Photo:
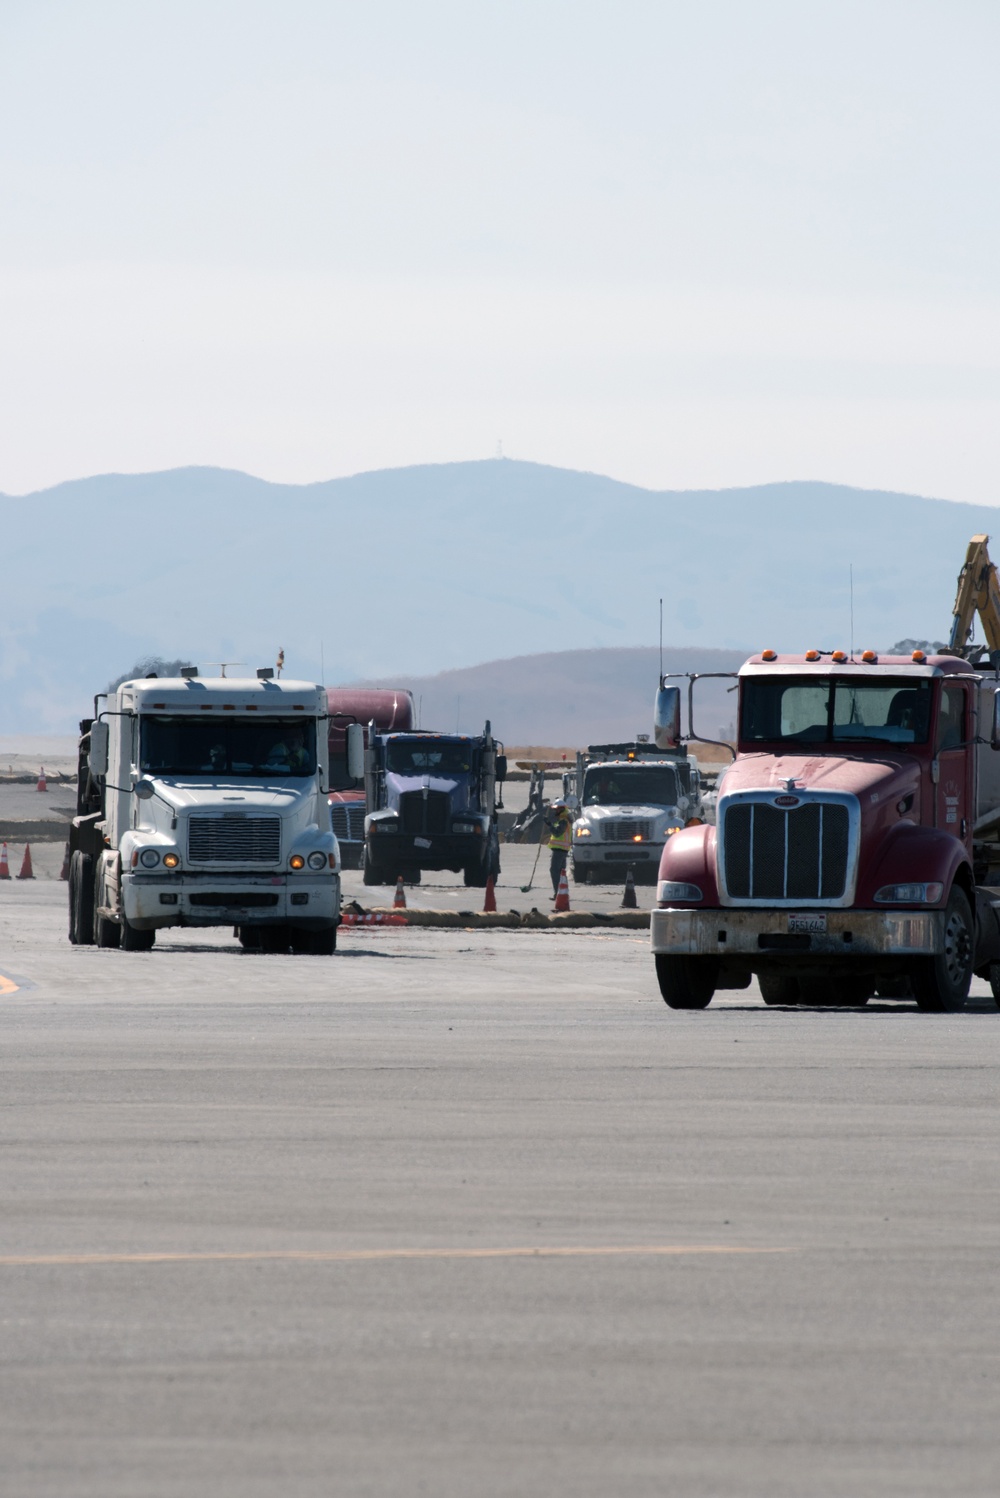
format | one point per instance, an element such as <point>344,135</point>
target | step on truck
<point>390,709</point>
<point>203,802</point>
<point>632,797</point>
<point>432,804</point>
<point>855,849</point>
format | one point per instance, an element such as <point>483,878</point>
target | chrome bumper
<point>764,933</point>
<point>229,899</point>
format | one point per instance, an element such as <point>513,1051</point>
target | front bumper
<point>764,934</point>
<point>443,850</point>
<point>590,855</point>
<point>228,899</point>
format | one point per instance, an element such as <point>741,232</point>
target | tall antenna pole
<point>852,611</point>
<point>661,642</point>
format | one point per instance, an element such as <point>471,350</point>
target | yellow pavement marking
<point>354,1255</point>
<point>7,985</point>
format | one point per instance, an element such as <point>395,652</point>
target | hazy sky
<point>682,242</point>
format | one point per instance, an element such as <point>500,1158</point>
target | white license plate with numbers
<point>809,924</point>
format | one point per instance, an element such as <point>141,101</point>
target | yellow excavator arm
<point>978,593</point>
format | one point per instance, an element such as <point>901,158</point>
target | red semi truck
<point>855,848</point>
<point>391,710</point>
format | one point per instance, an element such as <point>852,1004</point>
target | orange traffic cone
<point>399,899</point>
<point>41,786</point>
<point>64,872</point>
<point>562,895</point>
<point>490,903</point>
<point>26,870</point>
<point>4,865</point>
<point>629,901</point>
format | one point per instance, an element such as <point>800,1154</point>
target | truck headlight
<point>909,894</point>
<point>149,858</point>
<point>385,826</point>
<point>581,831</point>
<point>465,826</point>
<point>668,890</point>
<point>171,860</point>
<point>316,860</point>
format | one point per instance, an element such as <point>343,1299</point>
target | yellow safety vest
<point>562,833</point>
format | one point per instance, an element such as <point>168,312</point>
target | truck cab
<point>855,840</point>
<point>432,804</point>
<point>202,802</point>
<point>631,800</point>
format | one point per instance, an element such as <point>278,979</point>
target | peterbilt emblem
<point>786,800</point>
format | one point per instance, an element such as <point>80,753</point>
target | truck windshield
<point>830,710</point>
<point>625,785</point>
<point>417,757</point>
<point>275,747</point>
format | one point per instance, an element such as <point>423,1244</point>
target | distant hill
<point>421,570</point>
<point>571,697</point>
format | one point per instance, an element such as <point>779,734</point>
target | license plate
<point>808,925</point>
<point>421,842</point>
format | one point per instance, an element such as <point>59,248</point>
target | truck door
<point>954,763</point>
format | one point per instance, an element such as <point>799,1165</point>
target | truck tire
<point>776,988</point>
<point>686,982</point>
<point>941,984</point>
<point>249,938</point>
<point>475,875</point>
<point>81,900</point>
<point>106,933</point>
<point>995,982</point>
<point>275,938</point>
<point>839,991</point>
<point>132,940</point>
<point>370,871</point>
<point>315,943</point>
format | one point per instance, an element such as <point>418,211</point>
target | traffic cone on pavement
<point>41,786</point>
<point>26,870</point>
<point>490,903</point>
<point>562,894</point>
<point>399,899</point>
<point>628,897</point>
<point>4,865</point>
<point>64,871</point>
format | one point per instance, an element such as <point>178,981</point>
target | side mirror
<point>667,718</point>
<point>355,751</point>
<point>501,767</point>
<point>995,734</point>
<point>144,790</point>
<point>100,735</point>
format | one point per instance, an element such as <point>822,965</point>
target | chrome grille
<point>234,839</point>
<point>772,854</point>
<point>421,812</point>
<point>349,823</point>
<point>624,831</point>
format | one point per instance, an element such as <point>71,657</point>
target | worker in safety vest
<point>559,821</point>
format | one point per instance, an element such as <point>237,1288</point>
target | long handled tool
<point>525,887</point>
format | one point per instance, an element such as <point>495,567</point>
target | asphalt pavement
<point>473,1213</point>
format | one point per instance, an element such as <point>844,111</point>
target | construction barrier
<point>510,920</point>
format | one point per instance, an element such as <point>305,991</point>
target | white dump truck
<point>202,801</point>
<point>632,797</point>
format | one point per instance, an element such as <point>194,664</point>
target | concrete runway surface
<point>476,1214</point>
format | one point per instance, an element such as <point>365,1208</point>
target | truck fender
<point>912,854</point>
<point>689,857</point>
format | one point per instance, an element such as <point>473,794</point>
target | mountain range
<point>415,571</point>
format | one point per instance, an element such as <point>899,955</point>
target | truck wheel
<point>106,933</point>
<point>941,984</point>
<point>81,900</point>
<point>132,940</point>
<point>475,875</point>
<point>249,938</point>
<point>275,938</point>
<point>686,982</point>
<point>370,872</point>
<point>775,988</point>
<point>315,943</point>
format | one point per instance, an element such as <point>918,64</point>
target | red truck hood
<point>868,779</point>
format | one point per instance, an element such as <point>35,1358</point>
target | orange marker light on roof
<point>869,655</point>
<point>769,655</point>
<point>918,655</point>
<point>838,655</point>
<point>812,655</point>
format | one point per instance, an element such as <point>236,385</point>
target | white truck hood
<point>189,795</point>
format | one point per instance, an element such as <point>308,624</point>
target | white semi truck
<point>632,797</point>
<point>202,801</point>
